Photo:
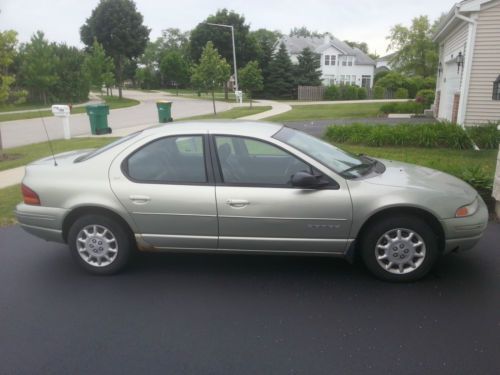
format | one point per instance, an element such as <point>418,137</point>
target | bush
<point>401,93</point>
<point>349,92</point>
<point>485,136</point>
<point>429,83</point>
<point>426,97</point>
<point>378,92</point>
<point>332,93</point>
<point>422,135</point>
<point>478,178</point>
<point>402,107</point>
<point>362,93</point>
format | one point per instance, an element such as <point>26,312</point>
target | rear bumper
<point>43,222</point>
<point>463,233</point>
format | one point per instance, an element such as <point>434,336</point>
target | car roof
<point>236,127</point>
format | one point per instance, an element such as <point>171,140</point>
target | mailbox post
<point>62,111</point>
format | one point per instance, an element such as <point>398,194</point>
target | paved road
<point>221,314</point>
<point>23,132</point>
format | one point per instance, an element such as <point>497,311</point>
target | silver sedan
<point>247,187</point>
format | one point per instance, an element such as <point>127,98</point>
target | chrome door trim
<point>280,218</point>
<point>171,214</point>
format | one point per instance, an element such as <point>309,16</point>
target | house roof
<point>295,45</point>
<point>386,57</point>
<point>463,8</point>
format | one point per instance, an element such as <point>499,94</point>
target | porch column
<point>496,186</point>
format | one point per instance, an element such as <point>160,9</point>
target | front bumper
<point>463,233</point>
<point>43,222</point>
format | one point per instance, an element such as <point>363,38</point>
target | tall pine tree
<point>280,83</point>
<point>307,72</point>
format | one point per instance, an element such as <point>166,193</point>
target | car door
<point>168,189</point>
<point>259,210</point>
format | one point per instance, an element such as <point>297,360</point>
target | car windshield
<point>342,162</point>
<point>109,146</point>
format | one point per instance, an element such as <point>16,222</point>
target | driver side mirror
<point>307,180</point>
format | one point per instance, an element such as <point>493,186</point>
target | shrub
<point>429,83</point>
<point>485,136</point>
<point>422,135</point>
<point>477,177</point>
<point>426,97</point>
<point>380,75</point>
<point>332,93</point>
<point>401,93</point>
<point>362,93</point>
<point>402,107</point>
<point>349,92</point>
<point>378,92</point>
<point>392,81</point>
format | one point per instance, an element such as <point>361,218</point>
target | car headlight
<point>468,210</point>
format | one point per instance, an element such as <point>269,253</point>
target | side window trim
<point>214,156</point>
<point>207,162</point>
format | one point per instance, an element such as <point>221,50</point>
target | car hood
<point>410,176</point>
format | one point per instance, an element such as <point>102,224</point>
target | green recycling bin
<point>98,116</point>
<point>164,111</point>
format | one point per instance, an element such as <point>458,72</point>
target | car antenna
<point>48,139</point>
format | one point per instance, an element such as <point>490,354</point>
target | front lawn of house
<point>233,113</point>
<point>329,111</point>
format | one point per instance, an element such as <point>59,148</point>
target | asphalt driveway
<point>222,314</point>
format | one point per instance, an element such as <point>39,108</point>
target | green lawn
<point>193,94</point>
<point>112,101</point>
<point>9,197</point>
<point>27,154</point>
<point>232,113</point>
<point>329,111</point>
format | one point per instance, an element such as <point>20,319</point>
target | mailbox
<point>60,110</point>
<point>63,111</point>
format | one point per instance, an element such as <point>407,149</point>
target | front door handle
<point>139,199</point>
<point>237,203</point>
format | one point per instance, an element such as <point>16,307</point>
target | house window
<point>350,60</point>
<point>496,89</point>
<point>333,59</point>
<point>353,80</point>
<point>342,78</point>
<point>327,60</point>
<point>344,60</point>
<point>366,81</point>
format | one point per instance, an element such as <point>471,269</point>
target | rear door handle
<point>139,199</point>
<point>237,203</point>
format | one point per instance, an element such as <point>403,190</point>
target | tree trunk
<point>250,98</point>
<point>226,91</point>
<point>120,91</point>
<point>1,145</point>
<point>213,102</point>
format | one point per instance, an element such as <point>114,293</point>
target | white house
<point>468,82</point>
<point>339,62</point>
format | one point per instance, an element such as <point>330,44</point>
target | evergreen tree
<point>307,72</point>
<point>280,82</point>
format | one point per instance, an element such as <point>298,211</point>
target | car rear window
<point>109,146</point>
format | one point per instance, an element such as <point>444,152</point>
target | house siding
<point>450,47</point>
<point>485,68</point>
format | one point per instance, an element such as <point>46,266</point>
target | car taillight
<point>29,196</point>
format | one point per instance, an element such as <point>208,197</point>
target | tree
<point>8,42</point>
<point>416,54</point>
<point>118,26</point>
<point>304,32</point>
<point>245,44</point>
<point>72,83</point>
<point>281,81</point>
<point>175,69</point>
<point>307,72</point>
<point>266,40</point>
<point>251,79</point>
<point>362,46</point>
<point>98,66</point>
<point>38,67</point>
<point>212,71</point>
<point>175,39</point>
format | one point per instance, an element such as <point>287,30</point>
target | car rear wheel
<point>99,244</point>
<point>402,248</point>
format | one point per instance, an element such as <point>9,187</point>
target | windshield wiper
<point>369,165</point>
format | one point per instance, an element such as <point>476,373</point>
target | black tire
<point>370,252</point>
<point>123,244</point>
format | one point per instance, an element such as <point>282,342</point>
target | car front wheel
<point>99,244</point>
<point>400,248</point>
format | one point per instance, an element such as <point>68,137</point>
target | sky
<point>358,20</point>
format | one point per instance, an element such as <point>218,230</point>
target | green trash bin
<point>164,111</point>
<point>98,116</point>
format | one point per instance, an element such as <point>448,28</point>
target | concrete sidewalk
<point>277,108</point>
